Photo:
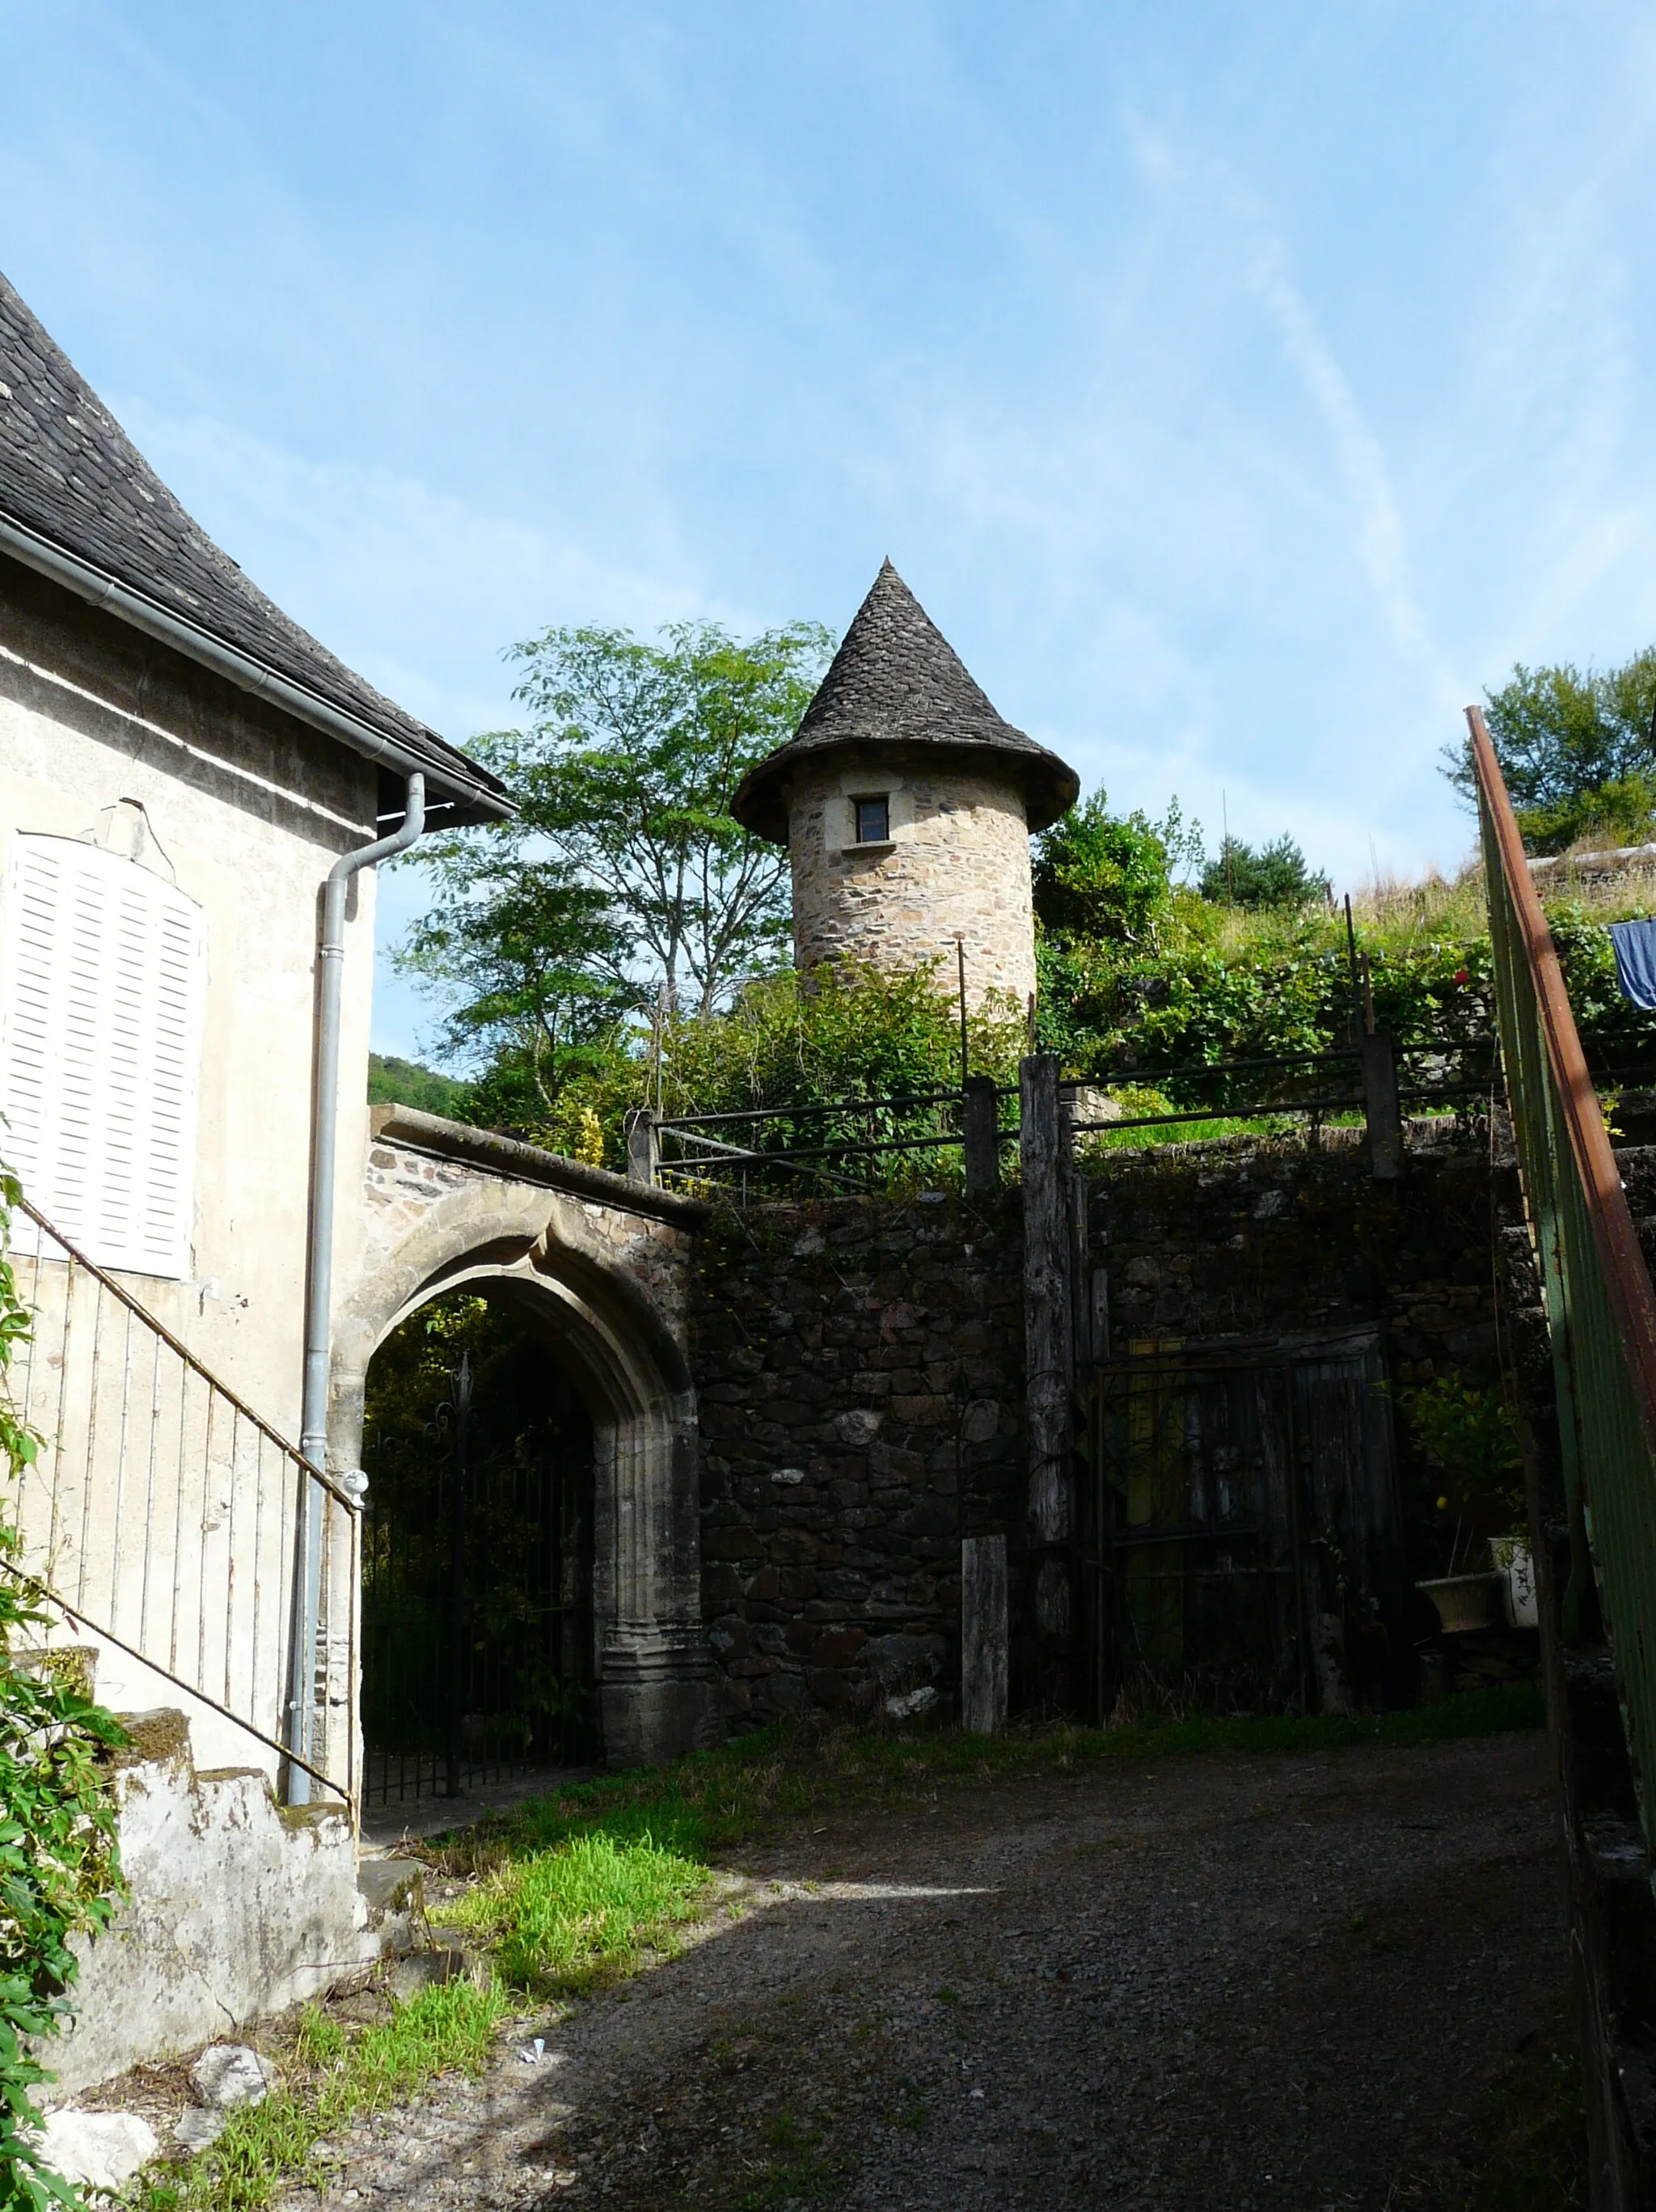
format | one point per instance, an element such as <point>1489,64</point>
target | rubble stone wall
<point>958,861</point>
<point>859,1369</point>
<point>1288,1238</point>
<point>860,1374</point>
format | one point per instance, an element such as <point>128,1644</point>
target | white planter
<point>1510,1557</point>
<point>1465,1602</point>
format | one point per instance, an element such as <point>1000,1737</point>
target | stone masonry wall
<point>860,1375</point>
<point>1280,1238</point>
<point>860,1367</point>
<point>1265,1238</point>
<point>958,861</point>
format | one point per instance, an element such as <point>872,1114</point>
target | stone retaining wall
<point>1218,1240</point>
<point>859,1369</point>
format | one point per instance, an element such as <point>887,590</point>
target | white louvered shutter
<point>102,979</point>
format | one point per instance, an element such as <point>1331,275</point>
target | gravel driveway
<point>1224,1982</point>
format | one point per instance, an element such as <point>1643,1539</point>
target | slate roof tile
<point>896,680</point>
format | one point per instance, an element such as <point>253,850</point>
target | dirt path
<point>1217,1983</point>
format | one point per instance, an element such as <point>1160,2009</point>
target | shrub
<point>59,1865</point>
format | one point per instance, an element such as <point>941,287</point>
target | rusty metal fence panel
<point>1601,1308</point>
<point>166,1519</point>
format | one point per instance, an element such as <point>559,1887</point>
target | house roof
<point>79,503</point>
<point>897,681</point>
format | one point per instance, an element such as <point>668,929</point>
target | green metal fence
<point>1601,1310</point>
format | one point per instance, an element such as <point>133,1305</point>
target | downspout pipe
<point>319,1290</point>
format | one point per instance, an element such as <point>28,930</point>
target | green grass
<point>714,1800</point>
<point>567,1918</point>
<point>1211,1129</point>
<point>336,2076</point>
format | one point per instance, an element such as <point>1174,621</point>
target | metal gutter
<point>99,589</point>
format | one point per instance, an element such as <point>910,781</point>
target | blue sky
<point>1242,388</point>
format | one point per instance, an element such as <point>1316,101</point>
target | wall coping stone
<point>517,1162</point>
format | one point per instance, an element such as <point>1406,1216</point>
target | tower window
<point>873,819</point>
<point>101,981</point>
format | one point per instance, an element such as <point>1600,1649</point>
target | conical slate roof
<point>896,680</point>
<point>77,497</point>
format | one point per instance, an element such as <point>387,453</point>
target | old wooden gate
<point>1239,1512</point>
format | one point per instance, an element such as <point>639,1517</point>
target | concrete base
<point>238,1908</point>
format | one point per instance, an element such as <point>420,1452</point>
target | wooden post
<point>1049,1365</point>
<point>1099,1328</point>
<point>1385,1116</point>
<point>983,1634</point>
<point>980,1116</point>
<point>643,1146</point>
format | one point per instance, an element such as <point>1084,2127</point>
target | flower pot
<point>1465,1602</point>
<point>1510,1557</point>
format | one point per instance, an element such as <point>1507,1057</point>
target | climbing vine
<point>59,1865</point>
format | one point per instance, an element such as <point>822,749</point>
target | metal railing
<point>1600,1305</point>
<point>830,1147</point>
<point>848,1146</point>
<point>164,1517</point>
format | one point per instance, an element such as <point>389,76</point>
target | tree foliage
<point>1574,746</point>
<point>394,1082</point>
<point>538,959</point>
<point>59,1865</point>
<point>1109,878</point>
<point>1275,874</point>
<point>625,875</point>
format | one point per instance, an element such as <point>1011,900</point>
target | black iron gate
<point>476,1563</point>
<point>1241,1541</point>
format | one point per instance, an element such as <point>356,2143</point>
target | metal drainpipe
<point>313,1416</point>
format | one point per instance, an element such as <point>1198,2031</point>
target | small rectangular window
<point>873,819</point>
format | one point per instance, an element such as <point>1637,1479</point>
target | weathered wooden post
<point>1049,1364</point>
<point>980,1119</point>
<point>643,1145</point>
<point>1380,1105</point>
<point>983,1634</point>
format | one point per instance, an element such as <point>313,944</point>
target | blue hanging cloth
<point>1635,961</point>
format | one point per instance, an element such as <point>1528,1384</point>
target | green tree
<point>1275,874</point>
<point>623,779</point>
<point>395,1082</point>
<point>1107,878</point>
<point>1574,746</point>
<point>533,963</point>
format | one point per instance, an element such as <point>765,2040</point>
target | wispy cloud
<point>410,585</point>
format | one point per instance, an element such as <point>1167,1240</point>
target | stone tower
<point>906,804</point>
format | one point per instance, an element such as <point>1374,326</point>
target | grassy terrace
<point>568,1893</point>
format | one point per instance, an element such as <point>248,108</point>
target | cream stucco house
<point>181,769</point>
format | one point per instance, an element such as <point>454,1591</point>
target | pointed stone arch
<point>604,1277</point>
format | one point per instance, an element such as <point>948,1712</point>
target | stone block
<point>838,1647</point>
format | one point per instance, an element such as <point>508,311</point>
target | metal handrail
<point>124,1298</point>
<point>1600,1303</point>
<point>163,1512</point>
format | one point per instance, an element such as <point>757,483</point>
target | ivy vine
<point>59,1859</point>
